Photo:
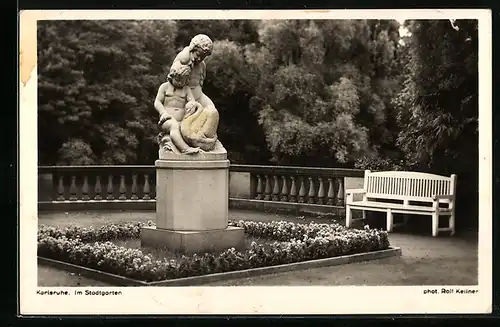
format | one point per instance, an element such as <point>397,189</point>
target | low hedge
<point>293,242</point>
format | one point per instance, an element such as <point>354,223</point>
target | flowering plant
<point>105,233</point>
<point>289,242</point>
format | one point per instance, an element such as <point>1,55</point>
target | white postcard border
<point>247,300</point>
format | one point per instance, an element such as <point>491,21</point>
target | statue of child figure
<point>173,101</point>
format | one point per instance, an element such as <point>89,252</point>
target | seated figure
<point>200,127</point>
<point>171,102</point>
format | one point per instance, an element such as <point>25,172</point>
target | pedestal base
<point>192,195</point>
<point>193,241</point>
<point>218,153</point>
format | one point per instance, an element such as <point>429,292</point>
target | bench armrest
<point>355,191</point>
<point>443,197</point>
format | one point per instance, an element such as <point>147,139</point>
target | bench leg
<point>390,221</point>
<point>405,219</point>
<point>348,216</point>
<point>402,223</point>
<point>364,215</point>
<point>451,223</point>
<point>435,224</point>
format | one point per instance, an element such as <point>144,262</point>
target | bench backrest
<point>404,185</point>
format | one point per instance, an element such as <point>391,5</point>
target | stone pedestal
<point>216,240</point>
<point>192,195</point>
<point>192,202</point>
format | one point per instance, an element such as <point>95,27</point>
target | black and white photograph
<point>240,162</point>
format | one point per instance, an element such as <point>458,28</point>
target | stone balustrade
<point>131,187</point>
<point>96,184</point>
<point>320,186</point>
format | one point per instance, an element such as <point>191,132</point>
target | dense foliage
<point>98,80</point>
<point>93,248</point>
<point>438,104</point>
<point>324,88</point>
<point>333,93</point>
<point>292,91</point>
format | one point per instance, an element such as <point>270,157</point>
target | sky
<point>402,31</point>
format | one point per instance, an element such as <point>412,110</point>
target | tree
<point>324,88</point>
<point>230,87</point>
<point>308,92</point>
<point>59,81</point>
<point>238,31</point>
<point>438,104</point>
<point>96,80</point>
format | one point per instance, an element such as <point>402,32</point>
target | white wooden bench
<point>413,193</point>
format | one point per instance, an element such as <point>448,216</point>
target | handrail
<point>297,170</point>
<point>285,184</point>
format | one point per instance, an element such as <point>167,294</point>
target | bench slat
<point>406,187</point>
<point>409,174</point>
<point>402,197</point>
<point>371,204</point>
<point>410,187</point>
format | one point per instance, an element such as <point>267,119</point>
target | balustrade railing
<point>320,186</point>
<point>100,183</point>
<point>302,186</point>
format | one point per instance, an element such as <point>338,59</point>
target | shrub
<point>291,242</point>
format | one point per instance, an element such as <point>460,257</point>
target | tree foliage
<point>98,79</point>
<point>439,100</point>
<point>438,104</point>
<point>352,93</point>
<point>95,84</point>
<point>309,92</point>
<point>230,87</point>
<point>323,88</point>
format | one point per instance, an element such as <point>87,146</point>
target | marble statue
<point>172,105</point>
<point>188,117</point>
<point>192,169</point>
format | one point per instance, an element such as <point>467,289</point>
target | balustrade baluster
<point>302,190</point>
<point>331,193</point>
<point>284,190</point>
<point>134,187</point>
<point>276,188</point>
<point>340,193</point>
<point>293,190</point>
<point>85,188</point>
<point>60,189</point>
<point>110,188</point>
<point>312,191</point>
<point>267,196</point>
<point>146,187</point>
<point>321,191</point>
<point>97,188</point>
<point>258,196</point>
<point>72,189</point>
<point>266,185</point>
<point>122,189</point>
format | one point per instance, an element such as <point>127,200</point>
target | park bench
<point>401,192</point>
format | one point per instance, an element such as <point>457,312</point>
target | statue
<point>188,117</point>
<point>194,208</point>
<point>172,103</point>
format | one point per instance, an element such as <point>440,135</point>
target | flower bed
<point>92,248</point>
